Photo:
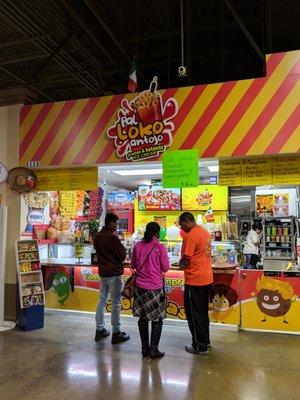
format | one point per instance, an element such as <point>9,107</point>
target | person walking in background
<point>197,265</point>
<point>251,248</point>
<point>150,259</point>
<point>110,254</point>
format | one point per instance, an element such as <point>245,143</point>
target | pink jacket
<point>150,275</point>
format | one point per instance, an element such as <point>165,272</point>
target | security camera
<point>182,71</point>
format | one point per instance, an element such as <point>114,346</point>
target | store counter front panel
<point>270,301</point>
<point>224,306</point>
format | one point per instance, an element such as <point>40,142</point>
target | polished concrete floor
<point>62,361</point>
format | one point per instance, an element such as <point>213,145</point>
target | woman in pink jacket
<point>150,259</point>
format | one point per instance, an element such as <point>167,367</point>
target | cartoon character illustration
<point>61,286</point>
<point>274,297</point>
<point>223,299</point>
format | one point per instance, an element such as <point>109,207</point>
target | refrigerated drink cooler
<point>279,243</point>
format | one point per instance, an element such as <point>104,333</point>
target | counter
<point>71,286</point>
<point>248,299</point>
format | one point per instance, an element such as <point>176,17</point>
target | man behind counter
<point>110,255</point>
<point>198,276</point>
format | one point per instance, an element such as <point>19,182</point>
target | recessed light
<point>213,168</point>
<point>136,172</point>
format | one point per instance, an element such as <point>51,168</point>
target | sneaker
<point>101,334</point>
<point>191,350</point>
<point>119,337</point>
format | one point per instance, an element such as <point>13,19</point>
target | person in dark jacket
<point>110,255</point>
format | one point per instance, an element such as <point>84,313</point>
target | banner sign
<point>66,179</point>
<point>144,126</point>
<point>259,171</point>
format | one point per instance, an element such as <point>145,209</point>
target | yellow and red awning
<point>248,117</point>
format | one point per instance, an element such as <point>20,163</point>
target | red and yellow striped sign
<point>249,117</point>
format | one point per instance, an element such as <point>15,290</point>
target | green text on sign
<point>180,168</point>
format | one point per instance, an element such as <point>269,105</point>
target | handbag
<point>128,290</point>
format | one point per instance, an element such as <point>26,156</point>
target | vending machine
<point>122,204</point>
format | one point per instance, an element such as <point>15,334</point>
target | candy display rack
<point>30,279</point>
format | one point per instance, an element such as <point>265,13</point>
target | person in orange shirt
<point>197,265</point>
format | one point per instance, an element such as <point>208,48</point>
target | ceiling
<point>130,176</point>
<point>52,50</point>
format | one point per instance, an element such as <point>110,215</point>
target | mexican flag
<point>132,83</point>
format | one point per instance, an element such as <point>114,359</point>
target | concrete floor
<point>62,361</point>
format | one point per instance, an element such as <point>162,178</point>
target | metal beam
<point>11,43</point>
<point>22,57</point>
<point>174,60</point>
<point>87,23</point>
<point>22,81</point>
<point>245,30</point>
<point>29,26</point>
<point>94,7</point>
<point>46,62</point>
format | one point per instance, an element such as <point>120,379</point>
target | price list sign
<point>256,172</point>
<point>66,179</point>
<point>286,171</point>
<point>230,173</point>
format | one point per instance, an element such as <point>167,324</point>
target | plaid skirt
<point>149,304</point>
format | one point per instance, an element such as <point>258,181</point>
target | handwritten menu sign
<point>66,179</point>
<point>256,172</point>
<point>286,171</point>
<point>230,173</point>
<point>180,168</point>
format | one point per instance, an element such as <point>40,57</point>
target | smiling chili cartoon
<point>274,297</point>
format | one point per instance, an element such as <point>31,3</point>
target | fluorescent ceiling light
<point>132,172</point>
<point>213,168</point>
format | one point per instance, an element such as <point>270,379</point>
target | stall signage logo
<point>144,126</point>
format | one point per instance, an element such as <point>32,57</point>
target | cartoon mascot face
<point>274,297</point>
<point>61,285</point>
<point>223,298</point>
<point>271,303</point>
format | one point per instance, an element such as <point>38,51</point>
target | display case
<point>30,280</point>
<point>279,243</point>
<point>67,250</point>
<point>225,254</point>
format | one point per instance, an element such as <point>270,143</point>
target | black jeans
<point>196,299</point>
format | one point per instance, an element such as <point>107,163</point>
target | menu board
<point>65,179</point>
<point>230,173</point>
<point>256,172</point>
<point>157,198</point>
<point>205,196</point>
<point>260,171</point>
<point>286,171</point>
